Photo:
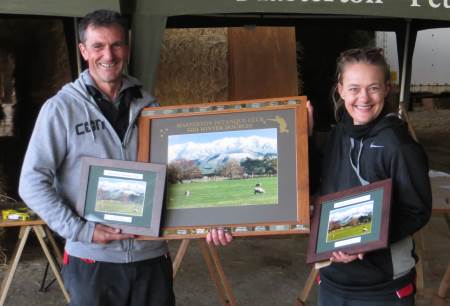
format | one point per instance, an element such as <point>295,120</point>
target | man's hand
<point>219,237</point>
<point>104,234</point>
<point>344,257</point>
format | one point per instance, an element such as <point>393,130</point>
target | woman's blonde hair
<point>371,56</point>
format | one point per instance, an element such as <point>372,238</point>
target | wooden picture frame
<point>272,205</point>
<point>123,194</point>
<point>354,221</point>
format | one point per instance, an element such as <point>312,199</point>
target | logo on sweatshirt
<point>90,126</point>
<point>372,145</point>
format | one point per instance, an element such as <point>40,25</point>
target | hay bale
<point>7,94</point>
<point>53,68</point>
<point>193,66</point>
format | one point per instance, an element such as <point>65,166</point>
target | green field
<point>116,207</point>
<point>350,231</point>
<point>221,193</point>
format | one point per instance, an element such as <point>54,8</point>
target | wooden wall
<point>262,62</point>
<point>221,64</point>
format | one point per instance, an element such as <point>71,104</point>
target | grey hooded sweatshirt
<point>69,126</point>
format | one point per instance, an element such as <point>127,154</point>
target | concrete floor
<point>262,271</point>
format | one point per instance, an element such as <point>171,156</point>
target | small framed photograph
<point>123,194</point>
<point>354,221</point>
<point>240,165</point>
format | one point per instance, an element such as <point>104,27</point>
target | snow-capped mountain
<point>219,151</point>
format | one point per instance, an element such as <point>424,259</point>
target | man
<point>94,116</point>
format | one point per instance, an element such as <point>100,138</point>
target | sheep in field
<point>259,189</point>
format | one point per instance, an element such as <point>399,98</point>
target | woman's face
<point>363,88</point>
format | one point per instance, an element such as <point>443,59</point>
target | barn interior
<point>198,64</point>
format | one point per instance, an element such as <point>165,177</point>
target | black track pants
<point>142,283</point>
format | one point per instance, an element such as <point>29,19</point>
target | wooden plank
<point>12,223</point>
<point>262,62</point>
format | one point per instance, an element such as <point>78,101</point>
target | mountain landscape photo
<point>232,168</point>
<point>216,149</point>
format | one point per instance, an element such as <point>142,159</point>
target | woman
<point>369,144</point>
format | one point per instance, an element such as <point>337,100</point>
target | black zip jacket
<point>386,151</point>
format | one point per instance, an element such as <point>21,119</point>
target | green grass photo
<point>224,192</point>
<point>350,231</point>
<point>117,207</point>
<point>120,196</point>
<point>350,221</point>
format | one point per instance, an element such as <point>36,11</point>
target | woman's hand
<point>344,257</point>
<point>218,236</point>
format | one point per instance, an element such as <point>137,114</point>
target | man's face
<point>106,52</point>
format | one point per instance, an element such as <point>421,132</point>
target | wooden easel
<point>442,291</point>
<point>304,293</point>
<point>300,300</point>
<point>42,232</point>
<point>215,269</point>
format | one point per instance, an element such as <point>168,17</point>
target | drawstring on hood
<point>359,133</point>
<point>358,157</point>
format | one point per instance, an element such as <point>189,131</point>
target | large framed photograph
<point>123,194</point>
<point>240,165</point>
<point>355,220</point>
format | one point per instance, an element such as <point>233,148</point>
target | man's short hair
<point>102,18</point>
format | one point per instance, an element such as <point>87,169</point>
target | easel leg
<point>179,257</point>
<point>53,244</point>
<point>219,269</point>
<point>23,236</point>
<point>444,283</point>
<point>301,298</point>
<point>418,237</point>
<point>40,233</point>
<point>215,269</point>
